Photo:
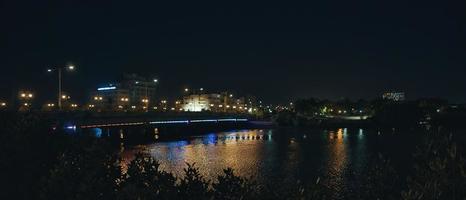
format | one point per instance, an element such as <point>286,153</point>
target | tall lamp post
<point>59,70</point>
<point>146,100</point>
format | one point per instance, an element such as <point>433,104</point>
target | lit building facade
<point>131,93</point>
<point>217,102</point>
<point>394,96</point>
<point>202,102</point>
<point>109,98</point>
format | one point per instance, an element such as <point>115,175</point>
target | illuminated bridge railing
<point>166,122</point>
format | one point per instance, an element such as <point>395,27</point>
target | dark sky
<point>278,51</point>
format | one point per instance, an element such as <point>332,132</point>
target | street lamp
<point>146,100</point>
<point>59,69</point>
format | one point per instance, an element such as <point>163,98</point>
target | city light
<point>26,95</point>
<point>98,98</point>
<point>155,80</point>
<point>106,88</point>
<point>124,99</point>
<point>71,67</point>
<point>3,104</point>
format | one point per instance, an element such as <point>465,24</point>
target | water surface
<point>338,156</point>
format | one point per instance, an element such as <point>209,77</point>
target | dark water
<point>338,156</point>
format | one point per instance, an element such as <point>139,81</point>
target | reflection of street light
<point>59,69</point>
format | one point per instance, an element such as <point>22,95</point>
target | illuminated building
<point>201,102</point>
<point>223,102</point>
<point>141,91</point>
<point>132,92</point>
<point>394,96</point>
<point>110,97</point>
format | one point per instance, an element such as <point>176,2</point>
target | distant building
<point>141,90</point>
<point>394,96</point>
<point>111,97</point>
<point>218,102</point>
<point>202,102</point>
<point>133,92</point>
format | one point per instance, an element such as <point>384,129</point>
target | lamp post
<point>59,70</point>
<point>146,99</point>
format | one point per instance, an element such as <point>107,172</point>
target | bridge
<point>169,122</point>
<point>165,122</point>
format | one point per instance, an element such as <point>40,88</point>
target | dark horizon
<point>277,52</point>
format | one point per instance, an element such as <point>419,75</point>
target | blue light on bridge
<point>164,122</point>
<point>204,120</point>
<point>69,128</point>
<point>170,122</point>
<point>228,120</point>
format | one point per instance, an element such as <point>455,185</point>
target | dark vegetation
<point>38,163</point>
<point>380,113</point>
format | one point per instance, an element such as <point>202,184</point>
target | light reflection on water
<point>337,156</point>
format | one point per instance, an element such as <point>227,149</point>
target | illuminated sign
<point>106,88</point>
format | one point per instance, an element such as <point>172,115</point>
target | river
<point>338,156</point>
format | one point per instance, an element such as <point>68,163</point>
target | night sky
<point>277,51</point>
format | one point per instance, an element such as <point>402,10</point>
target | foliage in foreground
<point>74,178</point>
